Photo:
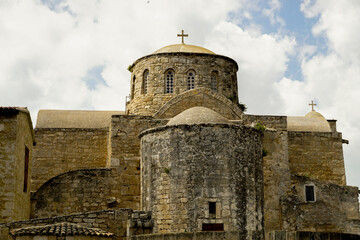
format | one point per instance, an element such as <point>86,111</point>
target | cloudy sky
<point>74,54</point>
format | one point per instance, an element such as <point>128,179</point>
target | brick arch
<point>200,97</point>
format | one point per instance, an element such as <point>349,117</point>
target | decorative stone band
<point>173,107</point>
<point>185,126</point>
<point>185,54</point>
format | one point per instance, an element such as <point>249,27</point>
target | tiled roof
<point>60,229</point>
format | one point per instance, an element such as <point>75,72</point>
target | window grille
<point>213,81</point>
<point>169,88</point>
<point>191,80</point>
<point>145,81</point>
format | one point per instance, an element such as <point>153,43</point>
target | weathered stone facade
<point>62,150</point>
<point>16,143</point>
<point>63,238</point>
<point>219,163</point>
<point>78,191</point>
<point>203,65</point>
<point>114,221</point>
<point>317,156</point>
<point>200,97</point>
<point>125,155</point>
<point>228,235</point>
<point>276,176</point>
<point>335,207</point>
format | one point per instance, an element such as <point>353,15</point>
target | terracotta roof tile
<point>60,229</point>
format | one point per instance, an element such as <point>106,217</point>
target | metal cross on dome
<point>312,104</point>
<point>182,35</point>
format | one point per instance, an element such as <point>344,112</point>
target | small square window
<point>310,193</point>
<point>210,227</point>
<point>212,207</point>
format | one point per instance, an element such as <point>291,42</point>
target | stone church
<point>183,161</point>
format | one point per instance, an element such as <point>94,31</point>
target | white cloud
<point>262,61</point>
<point>332,78</point>
<point>46,53</point>
<point>271,12</point>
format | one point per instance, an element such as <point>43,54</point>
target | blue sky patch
<point>295,25</point>
<point>52,4</point>
<point>93,77</point>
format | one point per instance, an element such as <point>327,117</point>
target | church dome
<point>311,122</point>
<point>314,114</point>
<point>183,48</point>
<point>197,115</point>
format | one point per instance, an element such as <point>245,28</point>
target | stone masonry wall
<point>276,176</point>
<point>114,221</point>
<point>24,137</point>
<point>185,167</point>
<point>181,63</point>
<point>76,237</point>
<point>334,209</point>
<point>317,155</point>
<point>299,235</point>
<point>15,134</point>
<point>7,166</point>
<point>125,155</point>
<point>200,97</point>
<point>274,122</point>
<point>229,235</point>
<point>77,191</point>
<point>61,150</point>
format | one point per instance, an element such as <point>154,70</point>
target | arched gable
<point>200,97</point>
<point>74,192</point>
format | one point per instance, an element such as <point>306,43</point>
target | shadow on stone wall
<point>77,191</point>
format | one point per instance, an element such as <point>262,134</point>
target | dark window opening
<point>212,207</point>
<point>26,169</point>
<point>310,193</point>
<point>207,227</point>
<point>133,88</point>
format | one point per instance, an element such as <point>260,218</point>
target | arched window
<point>190,80</point>
<point>133,88</point>
<point>145,81</point>
<point>169,81</point>
<point>213,81</point>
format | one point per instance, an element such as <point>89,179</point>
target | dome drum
<point>169,75</point>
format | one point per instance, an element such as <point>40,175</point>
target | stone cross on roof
<point>182,35</point>
<point>312,104</point>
